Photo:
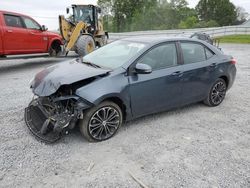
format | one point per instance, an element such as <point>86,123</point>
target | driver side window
<point>161,57</point>
<point>30,24</point>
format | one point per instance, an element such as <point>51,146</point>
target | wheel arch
<point>55,41</point>
<point>225,78</point>
<point>119,102</point>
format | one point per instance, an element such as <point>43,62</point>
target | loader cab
<point>86,13</point>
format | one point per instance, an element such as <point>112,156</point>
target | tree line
<point>141,15</point>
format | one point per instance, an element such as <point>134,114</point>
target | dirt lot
<point>195,146</point>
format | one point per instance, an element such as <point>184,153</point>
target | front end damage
<point>56,108</point>
<point>48,118</point>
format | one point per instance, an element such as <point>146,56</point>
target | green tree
<point>221,11</point>
<point>190,22</point>
<point>123,11</point>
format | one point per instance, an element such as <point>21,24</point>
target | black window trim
<point>14,15</point>
<point>132,66</point>
<point>205,47</point>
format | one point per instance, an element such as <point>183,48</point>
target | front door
<point>37,39</point>
<point>161,89</point>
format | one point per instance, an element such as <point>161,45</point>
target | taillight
<point>233,61</point>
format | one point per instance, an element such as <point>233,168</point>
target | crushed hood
<point>50,79</point>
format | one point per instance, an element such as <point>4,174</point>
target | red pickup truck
<point>20,34</point>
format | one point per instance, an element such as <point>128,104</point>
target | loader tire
<point>84,45</point>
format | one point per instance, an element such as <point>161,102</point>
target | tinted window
<point>161,57</point>
<point>13,21</point>
<point>30,24</point>
<point>193,52</point>
<point>209,53</point>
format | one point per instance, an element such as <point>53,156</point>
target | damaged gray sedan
<point>124,80</point>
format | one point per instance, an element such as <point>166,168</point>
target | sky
<point>46,12</point>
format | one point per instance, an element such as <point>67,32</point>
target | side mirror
<point>67,10</point>
<point>141,68</point>
<point>44,28</point>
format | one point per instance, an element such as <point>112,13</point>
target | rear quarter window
<point>13,21</point>
<point>209,53</point>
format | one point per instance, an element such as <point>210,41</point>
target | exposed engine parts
<point>49,118</point>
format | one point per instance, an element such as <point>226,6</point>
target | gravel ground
<point>195,146</point>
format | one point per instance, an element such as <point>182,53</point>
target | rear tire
<point>84,45</point>
<point>217,93</point>
<point>101,122</point>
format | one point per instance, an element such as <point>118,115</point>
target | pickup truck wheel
<point>55,49</point>
<point>84,45</point>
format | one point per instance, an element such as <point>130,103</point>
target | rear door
<point>37,39</point>
<point>14,35</point>
<point>199,64</point>
<point>160,89</point>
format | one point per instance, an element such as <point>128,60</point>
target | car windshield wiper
<point>87,63</point>
<point>91,64</point>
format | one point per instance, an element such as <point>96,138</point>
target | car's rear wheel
<point>217,93</point>
<point>101,122</point>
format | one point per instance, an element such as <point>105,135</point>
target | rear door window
<point>193,52</point>
<point>13,21</point>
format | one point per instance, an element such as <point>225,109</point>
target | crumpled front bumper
<point>50,129</point>
<point>34,119</point>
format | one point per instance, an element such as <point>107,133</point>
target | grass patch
<point>242,39</point>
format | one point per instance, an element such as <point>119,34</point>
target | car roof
<point>157,39</point>
<point>154,40</point>
<point>13,13</point>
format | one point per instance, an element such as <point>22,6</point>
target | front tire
<point>55,49</point>
<point>84,45</point>
<point>101,122</point>
<point>217,93</point>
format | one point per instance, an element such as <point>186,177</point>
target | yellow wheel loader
<point>83,30</point>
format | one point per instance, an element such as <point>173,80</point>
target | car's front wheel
<point>101,122</point>
<point>217,93</point>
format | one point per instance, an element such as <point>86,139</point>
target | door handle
<point>213,65</point>
<point>177,73</point>
<point>32,33</point>
<point>9,31</point>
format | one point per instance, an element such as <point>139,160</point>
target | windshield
<point>83,13</point>
<point>115,54</point>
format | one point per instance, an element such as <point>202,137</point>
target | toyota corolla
<point>125,80</point>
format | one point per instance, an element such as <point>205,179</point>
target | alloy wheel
<point>218,92</point>
<point>104,123</point>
